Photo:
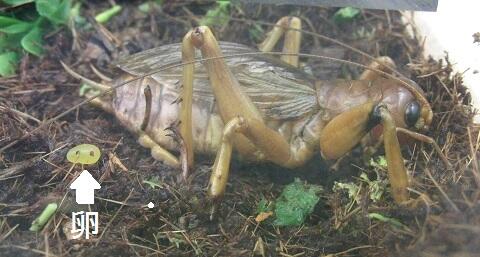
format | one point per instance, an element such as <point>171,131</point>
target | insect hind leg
<point>290,26</point>
<point>382,63</point>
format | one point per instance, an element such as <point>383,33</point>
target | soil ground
<point>34,171</point>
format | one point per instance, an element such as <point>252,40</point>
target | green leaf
<point>392,221</point>
<point>62,14</point>
<point>379,162</point>
<point>351,188</point>
<point>32,41</point>
<point>345,14</point>
<point>16,28</point>
<point>153,182</point>
<point>145,7</point>
<point>219,15</point>
<point>7,21</point>
<point>148,5</point>
<point>296,202</point>
<point>55,11</point>
<point>108,14</point>
<point>8,63</point>
<point>263,206</point>
<point>47,8</point>
<point>256,32</point>
<point>17,2</point>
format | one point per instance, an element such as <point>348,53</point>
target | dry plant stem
<point>115,215</point>
<point>9,233</point>
<point>21,114</point>
<point>21,247</point>
<point>452,204</point>
<point>473,152</point>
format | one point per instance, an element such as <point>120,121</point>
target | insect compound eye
<point>412,113</point>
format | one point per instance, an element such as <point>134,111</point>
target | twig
<point>114,216</point>
<point>146,247</point>
<point>473,152</point>
<point>21,114</point>
<point>353,249</point>
<point>19,167</point>
<point>26,249</point>
<point>453,205</point>
<point>9,232</point>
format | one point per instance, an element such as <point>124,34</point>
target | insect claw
<point>213,211</point>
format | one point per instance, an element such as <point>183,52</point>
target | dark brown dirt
<point>445,223</point>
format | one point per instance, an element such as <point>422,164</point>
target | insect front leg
<point>397,172</point>
<point>347,129</point>
<point>290,26</point>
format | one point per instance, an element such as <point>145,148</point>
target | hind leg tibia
<point>290,26</point>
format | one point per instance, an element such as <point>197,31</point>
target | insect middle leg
<point>244,128</point>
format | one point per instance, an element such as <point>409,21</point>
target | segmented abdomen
<point>129,107</point>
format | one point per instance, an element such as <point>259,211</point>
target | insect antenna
<point>99,74</point>
<point>90,82</point>
<point>322,37</point>
<point>108,90</point>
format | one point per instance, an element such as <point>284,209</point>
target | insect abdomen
<point>129,107</point>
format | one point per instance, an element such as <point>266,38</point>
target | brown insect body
<point>264,108</point>
<point>290,100</point>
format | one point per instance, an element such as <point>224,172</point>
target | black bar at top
<point>413,5</point>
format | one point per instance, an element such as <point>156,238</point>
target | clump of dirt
<point>35,171</point>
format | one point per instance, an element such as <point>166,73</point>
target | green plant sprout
<point>106,15</point>
<point>345,14</point>
<point>44,217</point>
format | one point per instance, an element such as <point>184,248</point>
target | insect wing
<point>277,89</point>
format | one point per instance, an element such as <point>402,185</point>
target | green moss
<point>296,202</point>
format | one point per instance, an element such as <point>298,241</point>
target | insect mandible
<point>263,108</point>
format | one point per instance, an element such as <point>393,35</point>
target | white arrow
<point>84,186</point>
